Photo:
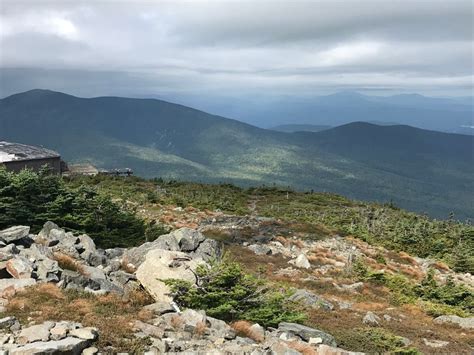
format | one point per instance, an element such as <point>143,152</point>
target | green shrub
<point>30,198</point>
<point>224,291</point>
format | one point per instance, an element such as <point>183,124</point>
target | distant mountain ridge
<point>450,115</point>
<point>417,169</point>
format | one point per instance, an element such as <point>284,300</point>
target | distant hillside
<point>446,115</point>
<point>417,169</point>
<point>290,128</point>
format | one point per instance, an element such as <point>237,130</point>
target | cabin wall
<point>36,164</point>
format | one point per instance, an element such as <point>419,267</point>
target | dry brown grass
<point>242,328</point>
<point>200,329</point>
<point>126,266</point>
<point>67,262</point>
<point>407,258</point>
<point>440,266</point>
<point>303,348</point>
<point>110,314</point>
<point>177,322</point>
<point>285,242</point>
<point>412,272</point>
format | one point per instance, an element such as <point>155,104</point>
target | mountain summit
<point>406,165</point>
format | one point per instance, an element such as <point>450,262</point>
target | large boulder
<point>20,267</point>
<point>188,239</point>
<point>208,250</point>
<point>465,323</point>
<point>301,261</point>
<point>310,299</point>
<point>10,286</point>
<point>68,345</point>
<point>13,234</point>
<point>38,332</point>
<point>160,265</point>
<point>306,333</point>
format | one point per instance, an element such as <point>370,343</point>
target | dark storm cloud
<point>238,47</point>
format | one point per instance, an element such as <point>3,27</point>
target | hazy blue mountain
<point>441,114</point>
<point>418,169</point>
<point>291,128</point>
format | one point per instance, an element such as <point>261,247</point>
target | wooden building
<point>15,157</point>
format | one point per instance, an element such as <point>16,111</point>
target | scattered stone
<point>20,267</point>
<point>148,329</point>
<point>344,305</point>
<point>39,332</point>
<point>465,323</point>
<point>163,264</point>
<point>7,322</point>
<point>88,333</point>
<point>68,345</point>
<point>301,261</point>
<point>8,287</point>
<point>160,308</point>
<point>258,331</point>
<point>330,350</point>
<point>371,318</point>
<point>310,299</point>
<point>306,333</point>
<point>260,249</point>
<point>433,343</point>
<point>13,234</point>
<point>192,318</point>
<point>90,351</point>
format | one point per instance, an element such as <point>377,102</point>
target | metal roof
<point>17,152</point>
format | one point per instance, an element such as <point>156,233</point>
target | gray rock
<point>301,261</point>
<point>310,299</point>
<point>371,318</point>
<point>60,330</point>
<point>220,328</point>
<point>192,318</point>
<point>8,252</point>
<point>39,332</point>
<point>20,267</point>
<point>46,230</point>
<point>434,343</point>
<point>159,308</point>
<point>87,333</point>
<point>48,270</point>
<point>15,284</point>
<point>306,333</point>
<point>92,272</point>
<point>329,350</point>
<point>208,250</point>
<point>90,351</point>
<point>188,239</point>
<point>121,277</point>
<point>465,323</point>
<point>13,234</point>
<point>258,331</point>
<point>352,287</point>
<point>148,329</point>
<point>68,345</point>
<point>7,322</point>
<point>260,249</point>
<point>86,247</point>
<point>163,264</point>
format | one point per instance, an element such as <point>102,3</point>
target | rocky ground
<point>61,294</point>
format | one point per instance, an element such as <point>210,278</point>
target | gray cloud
<point>237,47</point>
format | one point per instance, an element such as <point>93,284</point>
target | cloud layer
<point>237,47</point>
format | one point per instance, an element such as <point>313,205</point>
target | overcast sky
<point>237,48</point>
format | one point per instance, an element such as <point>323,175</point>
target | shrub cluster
<point>32,198</point>
<point>438,299</point>
<point>226,292</point>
